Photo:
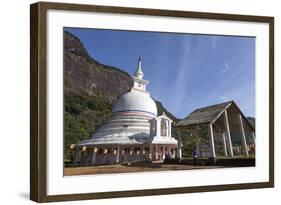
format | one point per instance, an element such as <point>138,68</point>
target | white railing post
<point>243,134</point>
<point>224,144</point>
<point>212,141</point>
<point>179,144</point>
<point>226,124</point>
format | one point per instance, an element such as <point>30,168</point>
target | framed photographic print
<point>135,102</point>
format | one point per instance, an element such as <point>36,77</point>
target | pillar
<point>243,134</point>
<point>118,154</point>
<point>212,141</point>
<point>170,128</point>
<point>224,144</point>
<point>75,156</point>
<point>173,153</point>
<point>82,157</point>
<point>167,127</point>
<point>156,151</point>
<point>254,137</point>
<point>94,155</point>
<point>228,136</point>
<point>150,153</point>
<point>89,157</point>
<point>159,151</point>
<point>197,146</point>
<point>179,144</point>
<point>158,127</point>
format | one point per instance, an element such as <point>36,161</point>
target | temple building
<point>134,132</point>
<point>219,130</point>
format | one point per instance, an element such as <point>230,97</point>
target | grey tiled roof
<point>205,114</point>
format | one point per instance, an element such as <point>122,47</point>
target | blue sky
<point>186,71</point>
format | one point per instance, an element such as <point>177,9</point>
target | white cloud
<point>224,98</point>
<point>226,67</point>
<point>214,41</point>
<point>184,74</point>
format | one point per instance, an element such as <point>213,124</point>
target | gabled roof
<point>210,114</point>
<point>205,115</point>
<point>164,116</point>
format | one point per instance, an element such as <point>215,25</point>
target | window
<point>164,127</point>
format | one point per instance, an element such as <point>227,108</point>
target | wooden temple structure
<point>217,130</point>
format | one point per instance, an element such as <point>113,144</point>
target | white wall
<point>14,100</point>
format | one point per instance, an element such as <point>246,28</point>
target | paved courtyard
<point>118,168</point>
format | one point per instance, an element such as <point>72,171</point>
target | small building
<point>134,132</point>
<point>217,130</point>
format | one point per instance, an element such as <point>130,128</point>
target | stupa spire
<point>139,83</point>
<point>138,73</point>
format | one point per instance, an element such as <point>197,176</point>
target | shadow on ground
<point>144,164</point>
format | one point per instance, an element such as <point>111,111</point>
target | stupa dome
<point>135,102</point>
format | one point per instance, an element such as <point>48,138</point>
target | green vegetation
<point>161,109</point>
<point>189,141</point>
<point>82,116</point>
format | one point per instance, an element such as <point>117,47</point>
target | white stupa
<point>134,131</point>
